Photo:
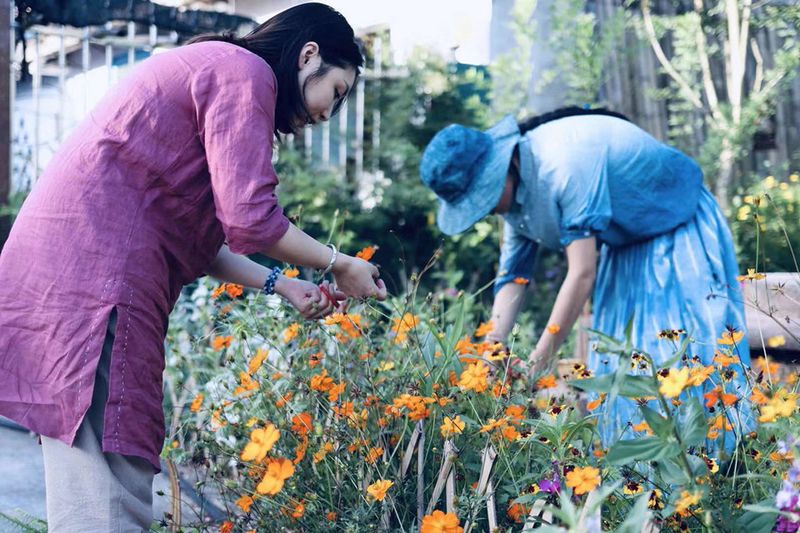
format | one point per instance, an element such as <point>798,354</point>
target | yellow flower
<point>631,488</point>
<point>686,500</point>
<point>261,442</point>
<point>451,426</point>
<point>794,178</point>
<point>729,338</point>
<point>197,402</point>
<point>782,404</point>
<point>643,426</point>
<point>769,182</point>
<point>484,329</point>
<point>440,522</point>
<point>583,479</point>
<point>776,342</point>
<point>751,275</point>
<point>698,375</point>
<point>291,332</point>
<point>474,377</point>
<point>403,325</point>
<point>672,385</point>
<point>386,365</point>
<point>278,471</point>
<point>291,272</point>
<point>743,213</point>
<point>377,491</point>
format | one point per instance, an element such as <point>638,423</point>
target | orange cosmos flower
<point>474,377</point>
<point>377,491</point>
<point>278,471</point>
<point>451,426</point>
<point>233,290</point>
<point>261,442</point>
<point>291,332</point>
<point>730,337</point>
<point>244,503</point>
<point>521,281</point>
<point>197,402</point>
<point>484,329</point>
<point>220,343</point>
<point>291,272</point>
<point>367,252</point>
<point>439,522</point>
<point>546,382</point>
<point>583,480</point>
<point>553,329</point>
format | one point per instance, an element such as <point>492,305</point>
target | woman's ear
<point>308,54</point>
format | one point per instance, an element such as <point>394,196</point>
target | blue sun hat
<point>467,169</point>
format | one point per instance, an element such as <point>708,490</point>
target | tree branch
<point>759,78</point>
<point>662,58</point>
<point>708,82</point>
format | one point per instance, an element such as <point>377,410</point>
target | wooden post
<point>5,113</point>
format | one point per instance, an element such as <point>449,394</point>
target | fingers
<point>381,292</point>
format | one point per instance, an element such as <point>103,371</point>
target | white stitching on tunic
<point>124,363</point>
<point>91,336</point>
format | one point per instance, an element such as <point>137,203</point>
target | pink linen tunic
<point>137,202</point>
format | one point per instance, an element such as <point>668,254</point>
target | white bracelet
<point>334,255</point>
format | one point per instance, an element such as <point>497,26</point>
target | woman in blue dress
<point>593,184</point>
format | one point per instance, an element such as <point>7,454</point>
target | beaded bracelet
<point>269,285</point>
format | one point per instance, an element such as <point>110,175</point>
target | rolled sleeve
<point>235,101</point>
<point>517,257</point>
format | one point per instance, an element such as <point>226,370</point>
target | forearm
<point>569,303</point>
<point>234,268</point>
<point>506,306</point>
<point>298,248</point>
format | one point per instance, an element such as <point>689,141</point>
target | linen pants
<point>89,490</point>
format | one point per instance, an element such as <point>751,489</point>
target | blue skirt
<point>684,279</point>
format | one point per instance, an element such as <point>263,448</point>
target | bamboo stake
<point>450,455</point>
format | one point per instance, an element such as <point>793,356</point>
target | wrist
<point>342,264</point>
<point>281,284</point>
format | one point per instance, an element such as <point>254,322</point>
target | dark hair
<point>571,111</point>
<point>279,42</point>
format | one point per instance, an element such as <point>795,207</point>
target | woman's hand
<point>311,301</point>
<point>358,278</point>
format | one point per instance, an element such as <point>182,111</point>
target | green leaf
<point>669,363</point>
<point>672,473</point>
<point>637,516</point>
<point>758,518</point>
<point>692,426</point>
<point>646,449</point>
<point>660,425</point>
<point>631,386</point>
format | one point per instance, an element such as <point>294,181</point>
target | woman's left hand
<point>312,301</point>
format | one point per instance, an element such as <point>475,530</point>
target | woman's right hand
<point>358,278</point>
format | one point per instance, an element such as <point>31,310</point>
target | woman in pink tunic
<point>168,179</point>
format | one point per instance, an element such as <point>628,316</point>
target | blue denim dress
<point>666,253</point>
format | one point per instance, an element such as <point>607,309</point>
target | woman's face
<point>321,95</point>
<point>506,199</point>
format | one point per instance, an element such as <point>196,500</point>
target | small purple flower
<point>786,445</point>
<point>550,486</point>
<point>787,497</point>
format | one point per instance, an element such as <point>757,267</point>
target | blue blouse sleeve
<point>517,257</point>
<point>584,200</point>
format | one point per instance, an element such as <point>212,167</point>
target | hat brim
<point>485,191</point>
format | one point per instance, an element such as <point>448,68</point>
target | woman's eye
<point>336,94</point>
